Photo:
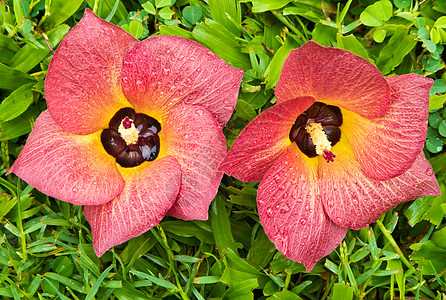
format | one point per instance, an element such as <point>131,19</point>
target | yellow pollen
<point>130,135</point>
<point>318,137</point>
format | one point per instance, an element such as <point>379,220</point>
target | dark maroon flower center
<point>131,138</point>
<point>329,117</point>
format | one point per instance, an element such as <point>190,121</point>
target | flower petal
<point>387,146</point>
<point>191,135</point>
<point>162,71</point>
<point>83,84</point>
<point>353,200</point>
<point>72,168</point>
<point>263,140</point>
<point>150,191</point>
<point>291,211</point>
<point>335,76</point>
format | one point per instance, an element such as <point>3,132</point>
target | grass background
<point>45,244</point>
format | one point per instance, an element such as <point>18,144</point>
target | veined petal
<point>192,135</point>
<point>162,71</point>
<point>72,168</point>
<point>83,84</point>
<point>263,140</point>
<point>353,200</point>
<point>334,76</point>
<point>387,146</point>
<point>150,191</point>
<point>291,211</point>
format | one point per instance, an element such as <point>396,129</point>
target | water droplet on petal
<point>429,172</point>
<point>285,208</point>
<point>330,203</point>
<point>303,221</point>
<point>299,200</point>
<point>355,201</point>
<point>269,212</point>
<point>339,220</point>
<point>74,189</point>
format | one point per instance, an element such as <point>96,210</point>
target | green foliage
<point>46,245</point>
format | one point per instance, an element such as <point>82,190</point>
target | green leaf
<point>164,3</point>
<point>172,30</point>
<point>243,290</point>
<point>188,229</point>
<point>309,12</point>
<point>16,103</point>
<point>351,44</point>
<point>136,29</point>
<point>426,208</point>
<point>60,11</point>
<point>285,295</point>
<point>192,14</point>
<point>148,7</point>
<point>69,282</point>
<point>222,42</point>
<point>166,13</point>
<point>436,102</point>
<point>158,281</point>
<point>435,119</point>
<point>376,14</point>
<point>228,13</point>
<point>63,266</point>
<point>379,35</point>
<point>245,110</point>
<point>342,291</point>
<point>441,22</point>
<point>221,227</point>
<point>12,79</point>
<point>274,69</point>
<point>8,49</point>
<point>20,125</point>
<point>400,44</point>
<point>402,3</point>
<point>262,6</point>
<point>442,128</point>
<point>434,145</point>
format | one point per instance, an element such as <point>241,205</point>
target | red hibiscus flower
<point>342,145</point>
<point>132,130</point>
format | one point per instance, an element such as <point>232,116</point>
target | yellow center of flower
<point>128,132</point>
<point>320,141</point>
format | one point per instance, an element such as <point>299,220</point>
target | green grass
<point>46,245</point>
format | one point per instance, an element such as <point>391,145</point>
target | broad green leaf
<point>441,22</point>
<point>435,119</point>
<point>351,44</point>
<point>16,103</point>
<point>8,49</point>
<point>442,128</point>
<point>6,204</point>
<point>148,7</point>
<point>165,13</point>
<point>20,125</point>
<point>376,14</point>
<point>69,282</point>
<point>60,11</point>
<point>164,3</point>
<point>245,110</point>
<point>192,14</point>
<point>228,13</point>
<point>241,291</point>
<point>342,291</point>
<point>221,227</point>
<point>12,79</point>
<point>172,30</point>
<point>309,12</point>
<point>28,56</point>
<point>402,3</point>
<point>324,35</point>
<point>274,69</point>
<point>379,35</point>
<point>222,42</point>
<point>136,29</point>
<point>400,44</point>
<point>261,5</point>
<point>426,208</point>
<point>188,229</point>
<point>63,265</point>
<point>285,295</point>
<point>429,254</point>
<point>261,251</point>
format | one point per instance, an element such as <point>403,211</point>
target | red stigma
<point>127,122</point>
<point>328,155</point>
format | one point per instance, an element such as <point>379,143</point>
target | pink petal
<point>83,84</point>
<point>334,76</point>
<point>264,140</point>
<point>162,71</point>
<point>72,168</point>
<point>387,146</point>
<point>353,200</point>
<point>192,135</point>
<point>291,211</point>
<point>149,192</point>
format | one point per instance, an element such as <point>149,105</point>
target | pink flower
<point>132,130</point>
<point>342,145</point>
